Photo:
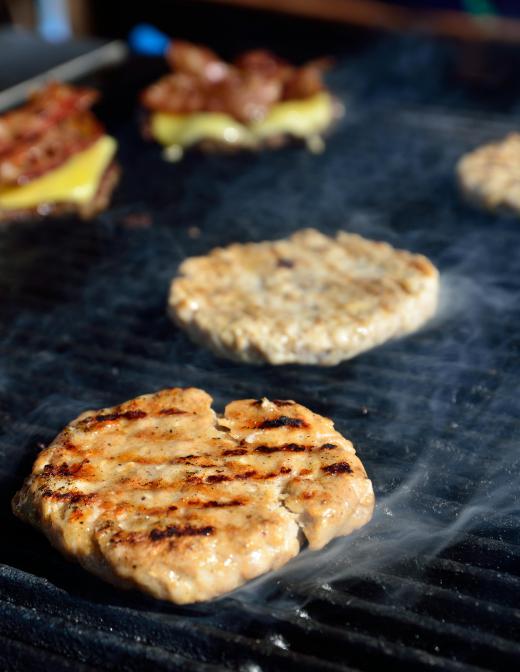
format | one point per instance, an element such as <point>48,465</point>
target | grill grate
<point>433,583</point>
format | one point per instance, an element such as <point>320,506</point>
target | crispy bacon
<point>34,157</point>
<point>306,81</point>
<point>178,93</point>
<point>196,60</point>
<point>263,61</point>
<point>246,96</point>
<point>246,89</point>
<point>45,108</point>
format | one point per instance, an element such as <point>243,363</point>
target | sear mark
<point>217,478</point>
<point>89,423</point>
<point>234,452</point>
<point>247,475</point>
<point>211,504</point>
<point>282,421</point>
<point>285,448</point>
<point>171,411</point>
<point>181,531</point>
<point>64,469</point>
<point>285,263</point>
<point>127,415</point>
<point>328,446</point>
<point>72,497</point>
<point>193,461</point>
<point>338,468</point>
<point>250,473</point>
<point>193,480</point>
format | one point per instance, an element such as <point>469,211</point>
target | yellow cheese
<point>75,181</point>
<point>300,118</point>
<point>188,129</point>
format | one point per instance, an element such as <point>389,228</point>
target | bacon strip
<point>245,89</point>
<point>46,108</point>
<point>54,124</point>
<point>33,158</point>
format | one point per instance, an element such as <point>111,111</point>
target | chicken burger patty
<point>489,176</point>
<point>309,299</point>
<point>162,494</point>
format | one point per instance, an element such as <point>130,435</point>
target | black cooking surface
<point>433,582</point>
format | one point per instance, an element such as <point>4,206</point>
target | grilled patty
<point>309,299</point>
<point>162,494</point>
<point>489,176</point>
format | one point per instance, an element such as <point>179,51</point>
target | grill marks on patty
<point>71,496</point>
<point>158,534</point>
<point>281,421</point>
<point>337,468</point>
<point>94,422</point>
<point>234,452</point>
<point>250,474</point>
<point>171,411</point>
<point>115,491</point>
<point>340,296</point>
<point>288,447</point>
<point>84,471</point>
<point>177,531</point>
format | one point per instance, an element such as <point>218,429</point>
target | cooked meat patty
<point>55,158</point>
<point>308,299</point>
<point>489,176</point>
<point>161,494</point>
<point>257,101</point>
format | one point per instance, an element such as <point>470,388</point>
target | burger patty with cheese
<point>55,156</point>
<point>258,100</point>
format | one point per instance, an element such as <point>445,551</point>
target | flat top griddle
<point>433,583</point>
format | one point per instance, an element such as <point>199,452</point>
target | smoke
<point>429,414</point>
<point>436,435</point>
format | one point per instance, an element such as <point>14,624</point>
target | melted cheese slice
<point>189,129</point>
<point>300,118</point>
<point>75,181</point>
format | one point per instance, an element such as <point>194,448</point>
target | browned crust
<point>89,210</point>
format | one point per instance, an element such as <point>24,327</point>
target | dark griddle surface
<point>434,582</point>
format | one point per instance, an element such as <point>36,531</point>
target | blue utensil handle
<point>147,40</point>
